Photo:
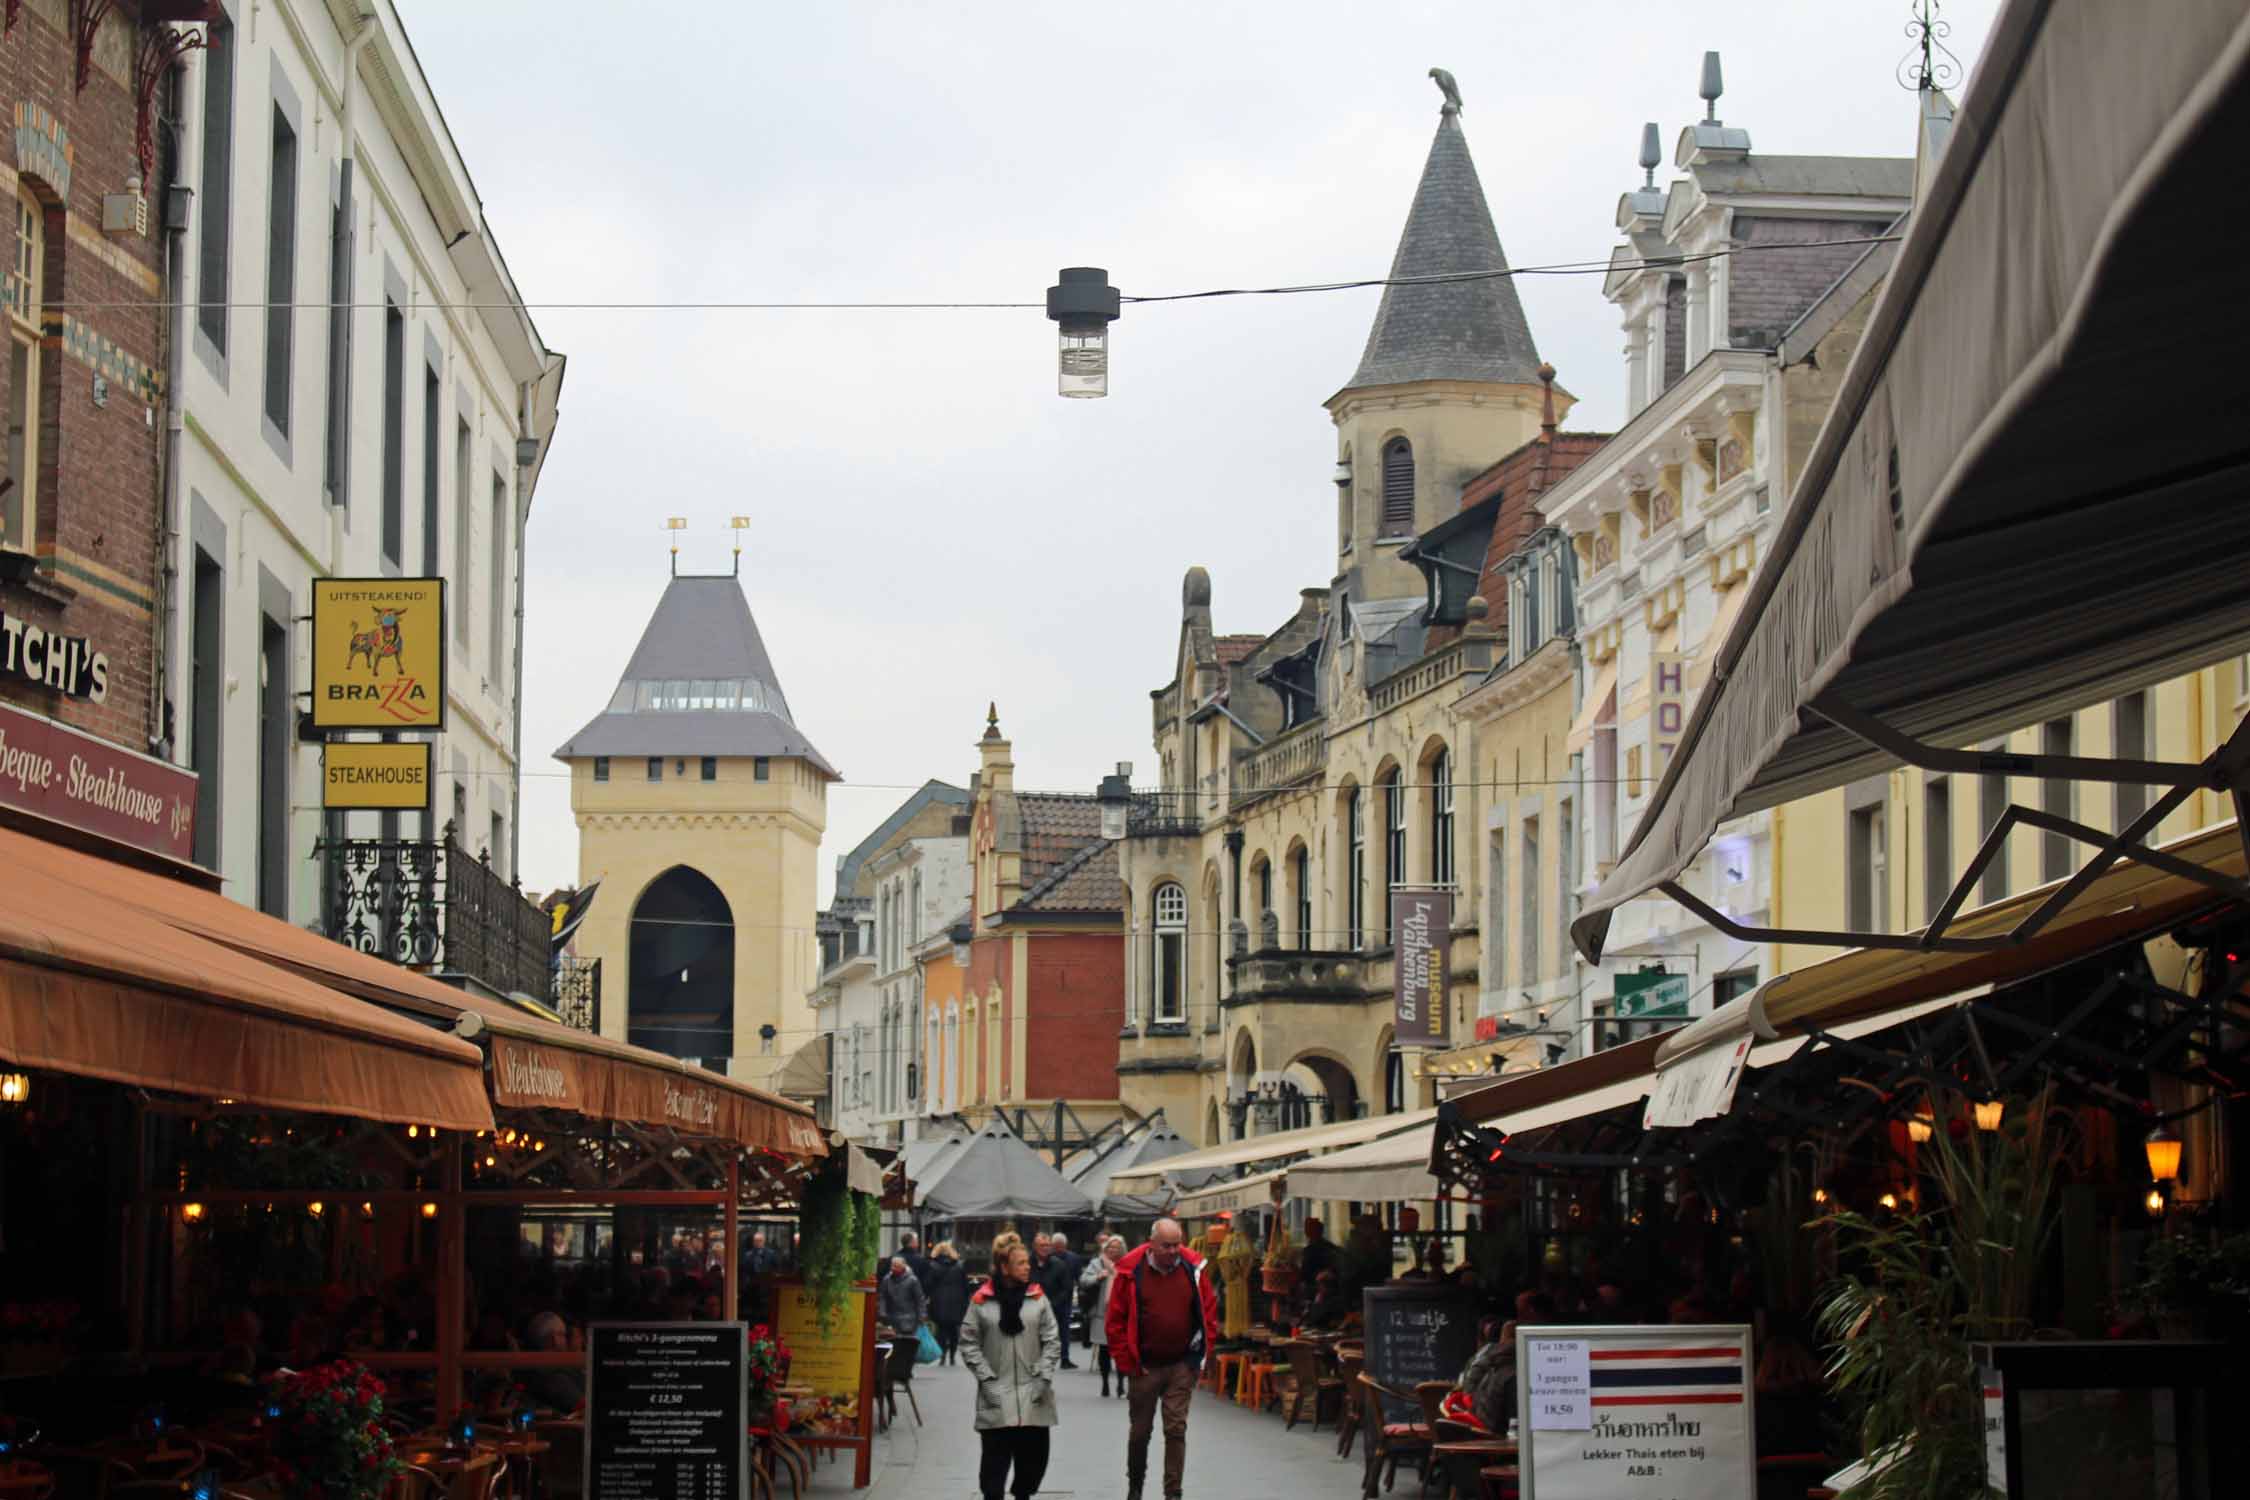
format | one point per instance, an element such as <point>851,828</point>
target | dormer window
<point>1398,487</point>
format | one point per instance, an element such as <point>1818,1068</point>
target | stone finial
<point>1476,609</point>
<point>1238,938</point>
<point>1652,154</point>
<point>1269,930</point>
<point>1711,88</point>
<point>1195,589</point>
<point>992,721</point>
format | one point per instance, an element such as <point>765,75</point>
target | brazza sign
<point>378,653</point>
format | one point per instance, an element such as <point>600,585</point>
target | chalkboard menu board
<point>1417,1333</point>
<point>666,1412</point>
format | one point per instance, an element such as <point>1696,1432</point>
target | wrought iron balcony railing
<point>1155,814</point>
<point>431,904</point>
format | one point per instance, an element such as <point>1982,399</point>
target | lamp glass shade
<point>1918,1131</point>
<point>2163,1150</point>
<point>15,1088</point>
<point>1988,1114</point>
<point>1113,819</point>
<point>1084,361</point>
<point>2155,1202</point>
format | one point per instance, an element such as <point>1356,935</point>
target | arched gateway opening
<point>682,983</point>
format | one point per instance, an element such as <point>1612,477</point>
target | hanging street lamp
<point>1083,304</point>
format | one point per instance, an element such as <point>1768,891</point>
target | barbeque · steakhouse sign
<point>55,772</point>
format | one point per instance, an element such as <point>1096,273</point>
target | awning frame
<point>2226,769</point>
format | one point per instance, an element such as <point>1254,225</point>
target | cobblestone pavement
<point>1231,1452</point>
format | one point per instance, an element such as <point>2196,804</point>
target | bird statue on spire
<point>1450,89</point>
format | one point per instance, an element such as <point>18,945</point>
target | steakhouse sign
<point>1421,943</point>
<point>56,772</point>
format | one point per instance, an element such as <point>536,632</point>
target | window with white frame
<point>1168,956</point>
<point>1355,870</point>
<point>1394,845</point>
<point>19,503</point>
<point>1441,818</point>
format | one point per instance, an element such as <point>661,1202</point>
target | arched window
<point>1355,870</point>
<point>1394,844</point>
<point>1168,956</point>
<point>1394,1082</point>
<point>1398,487</point>
<point>1300,880</point>
<point>1441,818</point>
<point>19,505</point>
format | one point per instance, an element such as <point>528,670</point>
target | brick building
<point>79,512</point>
<point>1045,988</point>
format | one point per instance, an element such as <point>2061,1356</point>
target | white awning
<point>1239,1196</point>
<point>1395,1169</point>
<point>1600,699</point>
<point>1975,542</point>
<point>1274,1147</point>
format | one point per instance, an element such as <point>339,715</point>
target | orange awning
<point>93,986</point>
<point>535,1063</point>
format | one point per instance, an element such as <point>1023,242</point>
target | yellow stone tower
<point>700,806</point>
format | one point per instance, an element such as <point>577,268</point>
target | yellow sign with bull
<point>378,653</point>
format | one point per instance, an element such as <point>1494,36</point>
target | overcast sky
<point>933,527</point>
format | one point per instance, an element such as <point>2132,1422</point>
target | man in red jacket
<point>1163,1320</point>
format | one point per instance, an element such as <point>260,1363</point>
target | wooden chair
<point>1389,1440</point>
<point>1347,1424</point>
<point>562,1468</point>
<point>1305,1384</point>
<point>479,1478</point>
<point>1463,1471</point>
<point>902,1377</point>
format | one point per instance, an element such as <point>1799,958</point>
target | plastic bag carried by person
<point>926,1351</point>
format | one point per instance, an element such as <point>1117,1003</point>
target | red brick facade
<point>97,502</point>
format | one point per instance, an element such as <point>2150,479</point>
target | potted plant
<point>328,1439</point>
<point>769,1365</point>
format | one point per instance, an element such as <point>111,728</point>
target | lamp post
<point>1083,304</point>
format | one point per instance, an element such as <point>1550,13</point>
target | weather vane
<point>739,525</point>
<point>675,525</point>
<point>1931,65</point>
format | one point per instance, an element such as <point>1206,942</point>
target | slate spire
<point>1462,330</point>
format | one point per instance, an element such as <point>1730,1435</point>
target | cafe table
<point>24,1480</point>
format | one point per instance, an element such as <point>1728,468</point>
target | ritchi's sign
<point>44,658</point>
<point>53,771</point>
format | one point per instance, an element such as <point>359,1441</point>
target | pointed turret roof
<point>699,683</point>
<point>1459,330</point>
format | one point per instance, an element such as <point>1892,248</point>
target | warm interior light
<point>2163,1150</point>
<point>1889,1200</point>
<point>412,1131</point>
<point>14,1087</point>
<point>1918,1131</point>
<point>367,1210</point>
<point>1988,1114</point>
<point>2155,1202</point>
<point>1820,1195</point>
<point>429,1210</point>
<point>192,1212</point>
<point>316,1208</point>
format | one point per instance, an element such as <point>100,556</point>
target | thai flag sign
<point>1666,1413</point>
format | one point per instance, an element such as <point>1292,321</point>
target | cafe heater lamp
<point>2163,1148</point>
<point>1083,304</point>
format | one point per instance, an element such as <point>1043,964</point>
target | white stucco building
<point>360,394</point>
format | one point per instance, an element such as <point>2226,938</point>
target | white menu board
<point>1667,1412</point>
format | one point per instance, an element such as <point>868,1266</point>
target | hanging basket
<point>1278,1280</point>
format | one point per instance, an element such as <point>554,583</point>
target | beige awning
<point>1274,1147</point>
<point>1238,1196</point>
<point>805,1075</point>
<point>1722,625</point>
<point>1974,542</point>
<point>1395,1169</point>
<point>1599,706</point>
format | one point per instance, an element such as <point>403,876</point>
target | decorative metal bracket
<point>161,46</point>
<point>2226,769</point>
<point>15,9</point>
<point>86,17</point>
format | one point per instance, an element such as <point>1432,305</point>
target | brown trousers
<point>1171,1385</point>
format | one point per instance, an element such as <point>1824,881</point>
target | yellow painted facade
<point>757,841</point>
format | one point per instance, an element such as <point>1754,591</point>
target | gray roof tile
<point>1461,330</point>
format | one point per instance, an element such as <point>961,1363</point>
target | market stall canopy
<point>1868,989</point>
<point>1273,1147</point>
<point>927,1157</point>
<point>994,1175</point>
<point>1978,540</point>
<point>534,1063</point>
<point>90,984</point>
<point>1395,1169</point>
<point>1152,1140</point>
<point>1238,1196</point>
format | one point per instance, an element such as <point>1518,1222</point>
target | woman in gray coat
<point>1011,1340</point>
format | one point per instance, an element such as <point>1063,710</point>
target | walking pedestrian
<point>1058,1277</point>
<point>949,1298</point>
<point>1011,1341</point>
<point>1094,1284</point>
<point>901,1304</point>
<point>1163,1319</point>
<point>917,1264</point>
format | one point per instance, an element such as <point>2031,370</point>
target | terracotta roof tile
<point>1056,825</point>
<point>1521,477</point>
<point>1233,648</point>
<point>1088,881</point>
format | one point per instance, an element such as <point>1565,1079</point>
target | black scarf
<point>1010,1295</point>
